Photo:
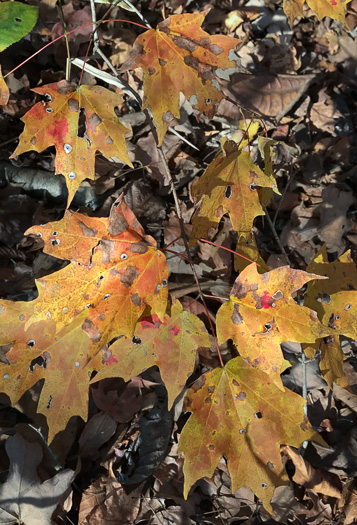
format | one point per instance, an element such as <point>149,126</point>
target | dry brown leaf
<point>270,95</point>
<point>311,478</point>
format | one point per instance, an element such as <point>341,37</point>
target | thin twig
<point>283,195</point>
<point>133,8</point>
<point>184,238</point>
<point>275,235</point>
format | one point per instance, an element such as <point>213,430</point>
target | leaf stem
<point>69,33</point>
<point>232,251</point>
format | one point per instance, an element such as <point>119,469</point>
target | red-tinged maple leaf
<point>57,122</point>
<point>61,359</point>
<point>229,185</point>
<point>170,344</point>
<point>261,314</point>
<point>4,91</point>
<point>332,8</point>
<point>180,57</point>
<point>116,272</point>
<point>239,414</point>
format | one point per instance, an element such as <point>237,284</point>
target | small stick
<point>275,235</point>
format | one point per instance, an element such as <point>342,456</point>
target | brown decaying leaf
<point>239,414</point>
<point>24,499</point>
<point>180,57</point>
<point>270,95</point>
<point>317,480</point>
<point>261,314</point>
<point>57,122</point>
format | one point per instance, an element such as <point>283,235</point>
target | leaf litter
<point>304,78</point>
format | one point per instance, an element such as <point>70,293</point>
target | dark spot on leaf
<point>129,276</point>
<point>241,396</point>
<point>162,62</point>
<point>216,50</point>
<point>21,318</point>
<point>270,465</point>
<point>94,121</point>
<point>73,104</point>
<point>109,140</point>
<point>235,383</point>
<point>151,70</point>
<point>136,299</point>
<point>211,447</point>
<point>236,317</point>
<point>185,43</point>
<point>101,317</point>
<point>87,232</point>
<point>211,389</point>
<point>33,141</point>
<point>139,247</point>
<point>191,61</point>
<point>208,399</point>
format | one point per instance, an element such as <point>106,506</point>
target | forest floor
<point>302,82</point>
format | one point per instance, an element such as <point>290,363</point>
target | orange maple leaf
<point>239,414</point>
<point>261,314</point>
<point>229,185</point>
<point>333,8</point>
<point>180,57</point>
<point>170,344</point>
<point>56,122</point>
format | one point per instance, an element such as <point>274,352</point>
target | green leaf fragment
<point>16,20</point>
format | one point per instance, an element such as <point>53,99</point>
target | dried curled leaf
<point>239,414</point>
<point>261,314</point>
<point>180,57</point>
<point>59,122</point>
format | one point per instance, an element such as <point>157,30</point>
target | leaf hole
<point>49,403</point>
<point>228,192</point>
<point>258,414</point>
<point>49,110</point>
<point>136,340</point>
<point>81,123</point>
<point>123,256</point>
<point>18,20</point>
<point>264,486</point>
<point>55,242</point>
<point>31,343</point>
